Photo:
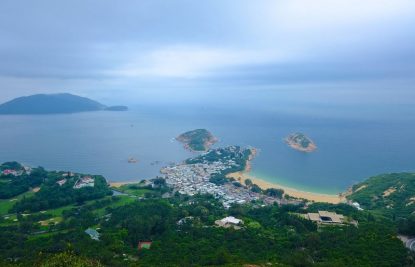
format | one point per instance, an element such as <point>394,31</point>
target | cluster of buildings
<point>15,173</point>
<point>191,179</point>
<point>81,181</point>
<point>12,172</point>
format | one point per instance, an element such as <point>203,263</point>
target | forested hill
<point>51,104</point>
<point>392,194</point>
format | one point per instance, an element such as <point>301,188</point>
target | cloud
<point>92,45</point>
<point>191,61</point>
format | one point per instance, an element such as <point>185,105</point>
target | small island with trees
<point>197,140</point>
<point>300,142</point>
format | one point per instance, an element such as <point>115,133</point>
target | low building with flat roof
<point>325,217</point>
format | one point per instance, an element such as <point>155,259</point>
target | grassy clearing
<point>122,200</point>
<point>7,204</point>
<point>133,189</point>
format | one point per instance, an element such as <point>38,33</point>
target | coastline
<point>316,197</point>
<point>295,145</point>
<point>241,176</point>
<point>185,141</point>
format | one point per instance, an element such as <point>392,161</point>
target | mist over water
<point>357,137</point>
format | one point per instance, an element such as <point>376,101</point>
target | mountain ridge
<point>51,104</point>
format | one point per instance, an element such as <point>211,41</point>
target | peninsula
<point>54,104</point>
<point>197,140</point>
<point>300,142</point>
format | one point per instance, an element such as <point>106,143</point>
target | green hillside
<point>392,195</point>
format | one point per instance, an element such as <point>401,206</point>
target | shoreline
<point>316,197</point>
<point>241,176</point>
<point>296,146</point>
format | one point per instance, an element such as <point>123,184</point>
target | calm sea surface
<point>350,148</point>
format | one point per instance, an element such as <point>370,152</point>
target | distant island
<point>53,104</point>
<point>300,142</point>
<point>197,140</point>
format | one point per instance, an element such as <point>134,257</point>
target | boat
<point>132,160</point>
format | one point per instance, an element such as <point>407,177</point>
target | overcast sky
<point>131,50</point>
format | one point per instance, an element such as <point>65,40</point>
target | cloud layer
<point>98,46</point>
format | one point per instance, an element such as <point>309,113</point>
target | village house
<point>92,233</point>
<point>229,222</point>
<point>86,181</point>
<point>61,182</point>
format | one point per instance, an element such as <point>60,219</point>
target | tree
<point>255,188</point>
<point>407,226</point>
<point>68,259</point>
<point>159,181</point>
<point>248,182</point>
<point>274,192</point>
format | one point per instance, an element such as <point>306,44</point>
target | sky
<point>182,50</point>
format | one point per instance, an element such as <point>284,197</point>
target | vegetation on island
<point>182,230</point>
<point>53,103</point>
<point>240,157</point>
<point>300,142</point>
<point>197,140</point>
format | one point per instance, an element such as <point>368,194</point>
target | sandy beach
<point>242,176</point>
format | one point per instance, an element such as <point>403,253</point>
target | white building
<point>229,222</point>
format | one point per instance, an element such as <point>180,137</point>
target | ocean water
<point>353,143</point>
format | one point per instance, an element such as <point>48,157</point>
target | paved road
<point>411,244</point>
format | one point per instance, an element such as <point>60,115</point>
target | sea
<point>355,139</point>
